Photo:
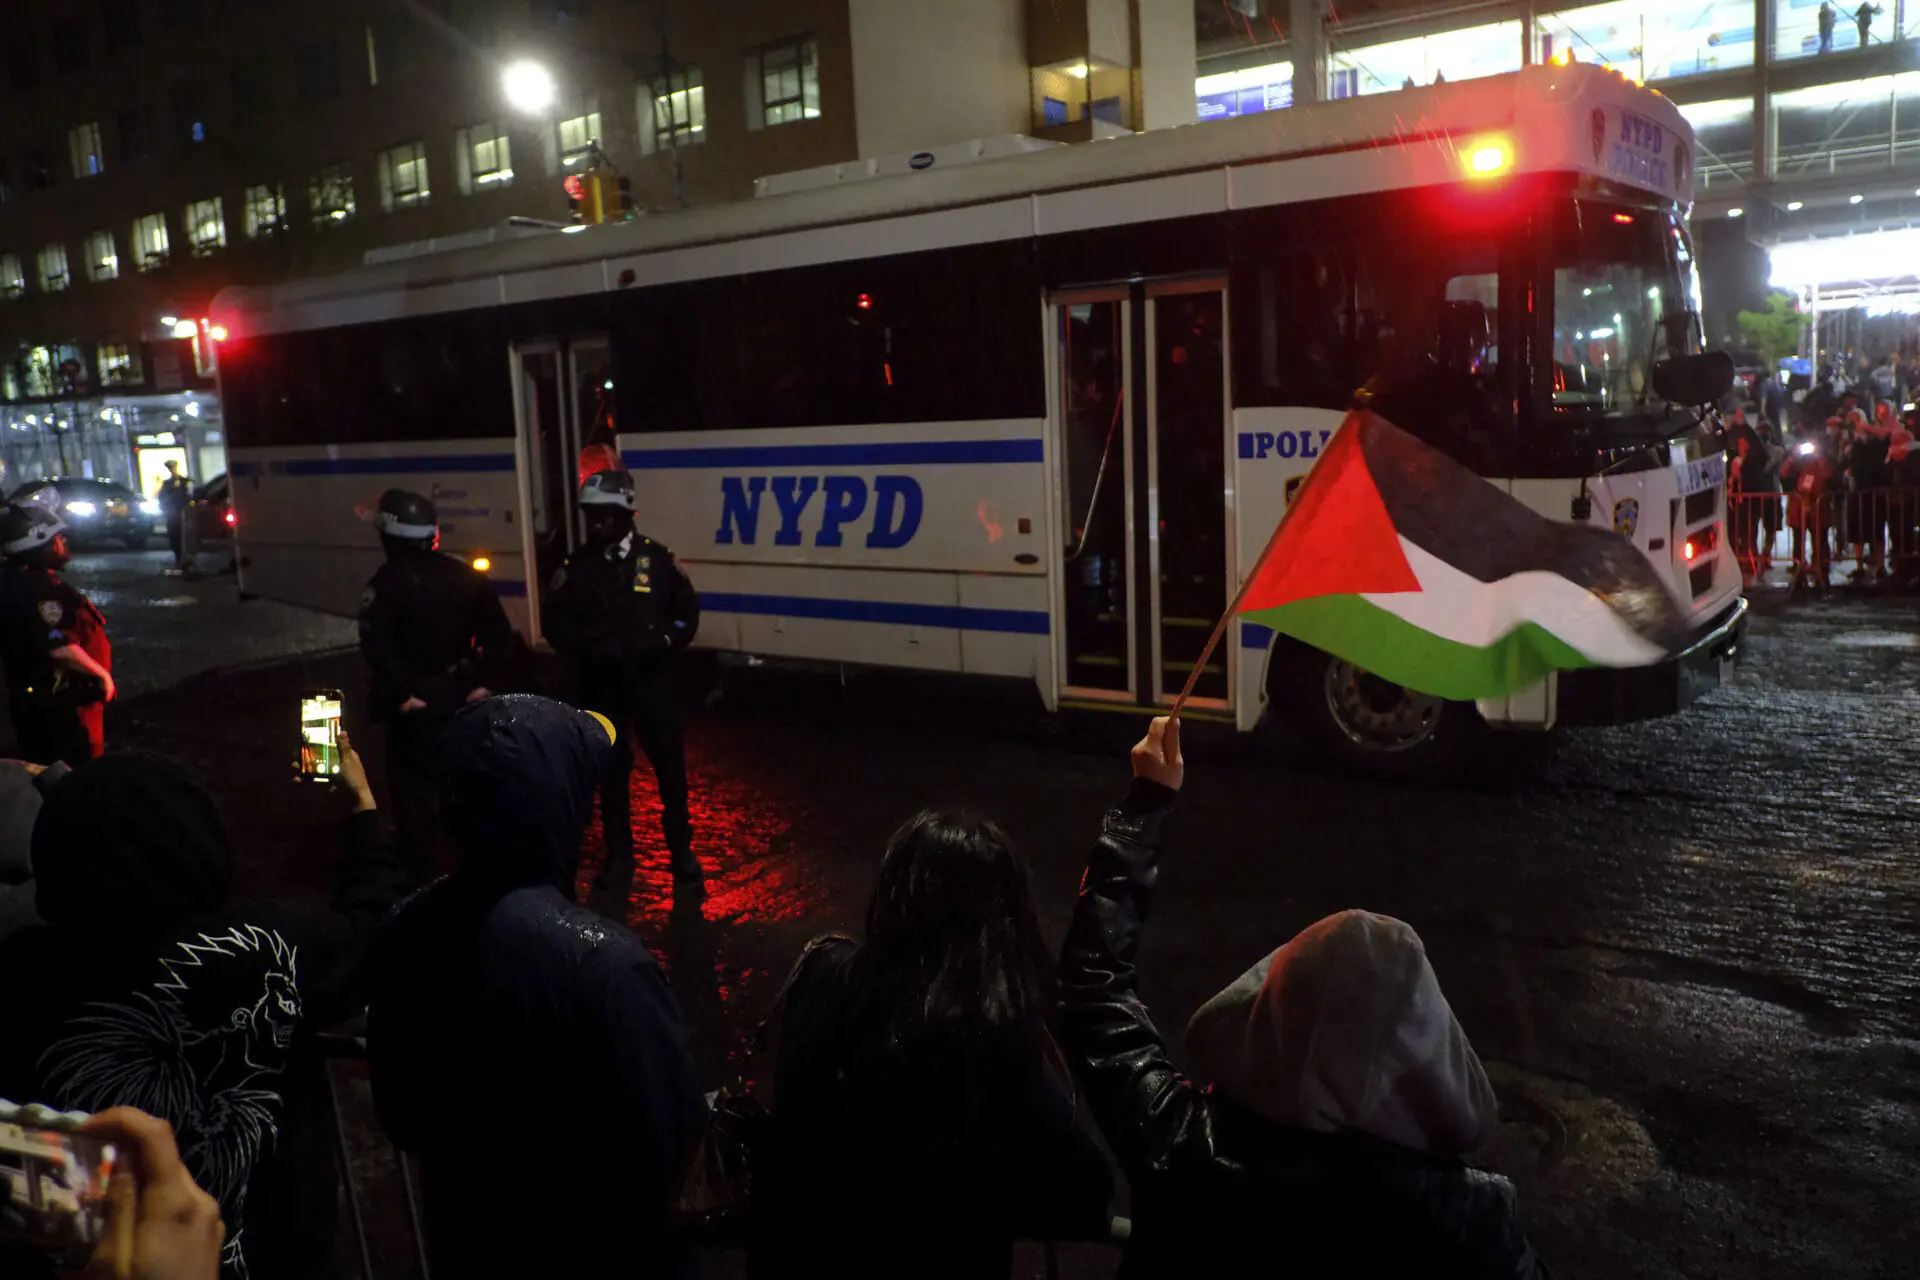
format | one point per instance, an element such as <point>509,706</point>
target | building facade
<point>153,152</point>
<point>1807,114</point>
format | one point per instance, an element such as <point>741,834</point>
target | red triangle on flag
<point>1336,539</point>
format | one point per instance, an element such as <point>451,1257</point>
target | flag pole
<point>1220,627</point>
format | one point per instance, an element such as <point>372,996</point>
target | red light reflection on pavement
<point>739,835</point>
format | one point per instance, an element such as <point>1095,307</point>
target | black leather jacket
<point>1219,1190</point>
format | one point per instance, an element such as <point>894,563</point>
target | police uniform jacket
<point>432,628</point>
<point>41,612</point>
<point>617,614</point>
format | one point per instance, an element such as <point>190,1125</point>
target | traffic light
<point>599,194</point>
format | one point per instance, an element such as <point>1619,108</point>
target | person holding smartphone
<point>153,983</point>
<point>53,641</point>
<point>435,637</point>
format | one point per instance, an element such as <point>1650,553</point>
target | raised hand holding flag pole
<point>1405,563</point>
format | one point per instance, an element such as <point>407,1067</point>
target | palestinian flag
<point>1403,562</point>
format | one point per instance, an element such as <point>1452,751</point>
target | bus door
<point>563,395</point>
<point>1142,410</point>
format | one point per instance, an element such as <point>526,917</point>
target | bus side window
<point>1302,350</point>
<point>1429,342</point>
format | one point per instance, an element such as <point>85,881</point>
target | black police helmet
<point>406,515</point>
<point>608,489</point>
<point>25,527</point>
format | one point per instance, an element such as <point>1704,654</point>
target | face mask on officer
<point>606,525</point>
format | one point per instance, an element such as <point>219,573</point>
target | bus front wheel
<point>1364,725</point>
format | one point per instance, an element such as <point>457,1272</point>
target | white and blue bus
<point>1033,415</point>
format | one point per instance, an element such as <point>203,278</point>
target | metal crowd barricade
<point>349,1044</point>
<point>1870,535</point>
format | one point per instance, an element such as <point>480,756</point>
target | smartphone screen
<point>55,1188</point>
<point>320,734</point>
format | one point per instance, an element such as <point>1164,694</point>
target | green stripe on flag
<point>1388,646</point>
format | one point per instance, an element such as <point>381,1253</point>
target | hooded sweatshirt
<point>147,986</point>
<point>497,1001</point>
<point>1344,1090</point>
<point>1344,1027</point>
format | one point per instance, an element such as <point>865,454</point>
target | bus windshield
<point>1623,299</point>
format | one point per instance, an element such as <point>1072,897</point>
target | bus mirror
<point>1694,380</point>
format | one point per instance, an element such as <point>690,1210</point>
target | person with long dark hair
<point>924,1117</point>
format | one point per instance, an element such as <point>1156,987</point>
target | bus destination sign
<point>1637,151</point>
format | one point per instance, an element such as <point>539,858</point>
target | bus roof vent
<point>905,162</point>
<point>511,229</point>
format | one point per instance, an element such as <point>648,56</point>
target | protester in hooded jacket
<point>496,996</point>
<point>149,986</point>
<point>1345,1091</point>
<point>22,788</point>
<point>924,1115</point>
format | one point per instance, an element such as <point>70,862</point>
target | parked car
<point>210,517</point>
<point>99,511</point>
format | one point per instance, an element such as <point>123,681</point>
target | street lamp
<point>528,86</point>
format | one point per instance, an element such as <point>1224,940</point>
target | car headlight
<point>81,508</point>
<point>149,507</point>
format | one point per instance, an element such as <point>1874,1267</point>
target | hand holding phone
<point>160,1225</point>
<point>353,775</point>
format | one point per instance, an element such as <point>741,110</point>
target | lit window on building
<point>150,244</point>
<point>403,176</point>
<point>53,268</point>
<point>83,146</point>
<point>103,259</point>
<point>117,363</point>
<point>788,76</point>
<point>206,226</point>
<point>266,210</point>
<point>330,195</point>
<point>1246,92</point>
<point>485,154</point>
<point>577,135</point>
<point>1651,41</point>
<point>13,278</point>
<point>677,105</point>
<point>1466,54</point>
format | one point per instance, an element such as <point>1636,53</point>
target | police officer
<point>618,612</point>
<point>53,641</point>
<point>435,636</point>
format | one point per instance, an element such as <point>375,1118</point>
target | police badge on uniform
<point>1626,516</point>
<point>50,611</point>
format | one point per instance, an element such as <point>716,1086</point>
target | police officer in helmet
<point>435,637</point>
<point>619,612</point>
<point>53,641</point>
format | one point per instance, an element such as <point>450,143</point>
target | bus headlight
<point>481,564</point>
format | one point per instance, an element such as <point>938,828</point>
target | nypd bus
<point>1027,411</point>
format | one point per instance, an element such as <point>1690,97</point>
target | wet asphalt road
<point>1689,951</point>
